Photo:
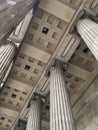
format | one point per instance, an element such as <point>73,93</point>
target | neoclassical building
<point>48,64</point>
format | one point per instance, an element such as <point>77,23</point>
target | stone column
<point>12,13</point>
<point>7,53</point>
<point>88,30</point>
<point>34,117</point>
<point>60,110</point>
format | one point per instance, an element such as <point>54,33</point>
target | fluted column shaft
<point>88,30</point>
<point>60,110</point>
<point>34,117</point>
<point>7,53</point>
<point>12,13</point>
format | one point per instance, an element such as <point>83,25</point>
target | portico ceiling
<point>48,36</point>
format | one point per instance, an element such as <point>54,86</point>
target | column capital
<point>88,30</point>
<point>57,61</point>
<point>36,96</point>
<point>84,13</point>
<point>12,42</point>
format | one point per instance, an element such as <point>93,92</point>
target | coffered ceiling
<point>48,36</point>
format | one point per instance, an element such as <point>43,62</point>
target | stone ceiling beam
<point>52,6</point>
<point>78,71</point>
<point>4,105</point>
<point>20,86</point>
<point>1,128</point>
<point>8,112</point>
<point>84,86</point>
<point>35,53</point>
<point>91,92</point>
